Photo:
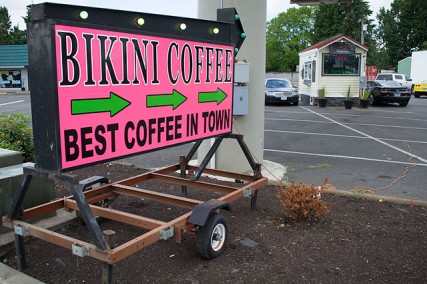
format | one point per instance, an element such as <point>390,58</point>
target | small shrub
<point>17,135</point>
<point>301,202</point>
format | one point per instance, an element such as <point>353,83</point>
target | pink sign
<point>121,94</point>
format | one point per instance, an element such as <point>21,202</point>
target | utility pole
<point>363,28</point>
<point>253,16</point>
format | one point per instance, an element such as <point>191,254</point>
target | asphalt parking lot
<point>383,149</point>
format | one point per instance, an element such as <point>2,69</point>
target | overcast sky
<point>182,8</point>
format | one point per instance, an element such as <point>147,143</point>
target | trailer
<point>89,197</point>
<point>418,70</point>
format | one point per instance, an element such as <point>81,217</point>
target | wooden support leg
<point>19,196</point>
<point>107,269</point>
<point>13,214</point>
<point>257,175</point>
<point>107,273</point>
<point>20,252</point>
<point>183,168</point>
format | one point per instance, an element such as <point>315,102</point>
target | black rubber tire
<point>206,236</point>
<point>404,104</point>
<point>296,103</point>
<point>371,100</point>
<point>416,95</point>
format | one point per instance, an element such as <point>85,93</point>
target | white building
<point>335,64</point>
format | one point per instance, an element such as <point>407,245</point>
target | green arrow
<point>218,96</point>
<point>114,104</point>
<point>175,100</point>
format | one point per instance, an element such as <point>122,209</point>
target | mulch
<point>358,241</point>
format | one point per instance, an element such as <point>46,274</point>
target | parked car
<point>387,91</point>
<point>402,79</point>
<point>420,89</point>
<point>281,91</point>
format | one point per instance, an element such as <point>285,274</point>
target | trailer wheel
<point>212,237</point>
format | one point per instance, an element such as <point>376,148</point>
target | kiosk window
<point>341,64</point>
<point>307,71</point>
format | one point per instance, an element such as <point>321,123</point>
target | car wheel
<point>371,100</point>
<point>416,95</point>
<point>404,104</point>
<point>295,103</point>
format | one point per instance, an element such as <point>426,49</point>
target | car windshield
<point>389,84</point>
<point>384,77</point>
<point>278,84</point>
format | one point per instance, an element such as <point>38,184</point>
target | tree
<point>17,36</point>
<point>402,29</point>
<point>287,35</point>
<point>5,25</point>
<point>332,20</point>
<point>9,35</point>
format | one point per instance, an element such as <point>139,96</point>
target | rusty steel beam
<point>101,197</point>
<point>121,252</point>
<point>162,197</point>
<point>62,240</point>
<point>42,209</point>
<point>238,193</point>
<point>145,176</point>
<point>199,184</point>
<point>119,216</point>
<point>59,203</point>
<point>221,173</point>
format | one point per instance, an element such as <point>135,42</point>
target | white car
<point>279,90</point>
<point>402,79</point>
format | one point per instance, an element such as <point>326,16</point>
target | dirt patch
<point>359,241</point>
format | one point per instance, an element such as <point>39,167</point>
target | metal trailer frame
<point>103,247</point>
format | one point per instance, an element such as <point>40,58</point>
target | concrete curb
<point>9,275</point>
<point>274,170</point>
<point>378,198</point>
<point>366,196</point>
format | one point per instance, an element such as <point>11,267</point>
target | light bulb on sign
<point>140,21</point>
<point>84,15</point>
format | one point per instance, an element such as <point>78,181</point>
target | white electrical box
<point>241,90</point>
<point>241,72</point>
<point>241,100</point>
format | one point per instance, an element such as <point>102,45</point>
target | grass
<point>321,166</point>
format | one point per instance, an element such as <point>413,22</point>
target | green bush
<point>17,135</point>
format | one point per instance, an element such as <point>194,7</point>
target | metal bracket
<point>166,234</point>
<point>248,192</point>
<point>79,251</point>
<point>22,231</point>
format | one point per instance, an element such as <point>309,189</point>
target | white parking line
<point>344,157</point>
<point>364,116</point>
<point>281,111</point>
<point>15,102</point>
<point>345,136</point>
<point>348,123</point>
<point>369,136</point>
